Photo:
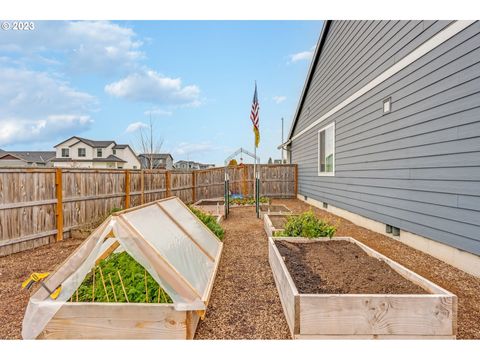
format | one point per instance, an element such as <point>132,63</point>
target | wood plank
<point>116,321</point>
<point>285,285</point>
<point>376,314</point>
<point>373,337</point>
<point>59,207</point>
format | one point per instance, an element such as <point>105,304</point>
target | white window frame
<point>84,152</point>
<point>65,152</point>
<point>332,173</point>
<point>101,152</point>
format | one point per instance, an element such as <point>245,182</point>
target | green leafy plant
<point>210,221</point>
<point>248,201</point>
<point>120,267</point>
<point>307,225</point>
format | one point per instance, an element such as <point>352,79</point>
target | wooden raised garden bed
<point>214,207</point>
<point>329,298</point>
<point>169,242</point>
<point>274,223</point>
<point>274,209</point>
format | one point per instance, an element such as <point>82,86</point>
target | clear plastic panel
<point>174,245</point>
<point>192,226</point>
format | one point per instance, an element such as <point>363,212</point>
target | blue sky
<point>102,80</point>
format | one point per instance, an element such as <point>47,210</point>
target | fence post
<point>142,187</point>
<point>167,183</point>
<point>59,210</point>
<point>296,180</point>
<point>127,189</point>
<point>193,187</point>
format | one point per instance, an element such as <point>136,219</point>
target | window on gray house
<point>114,152</point>
<point>326,150</point>
<point>82,152</point>
<point>99,153</point>
<point>65,152</point>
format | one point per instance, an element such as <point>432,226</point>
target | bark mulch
<point>340,267</point>
<point>465,286</point>
<point>244,303</point>
<point>14,269</point>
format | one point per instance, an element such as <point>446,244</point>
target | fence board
<point>28,199</point>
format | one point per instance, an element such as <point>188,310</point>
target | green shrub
<point>248,201</point>
<point>210,221</point>
<point>307,225</point>
<point>133,277</point>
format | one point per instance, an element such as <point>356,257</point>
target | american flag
<point>254,116</point>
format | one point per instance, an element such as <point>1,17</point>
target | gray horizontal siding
<point>418,167</point>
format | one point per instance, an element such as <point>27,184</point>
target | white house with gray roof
<point>85,153</point>
<point>26,158</point>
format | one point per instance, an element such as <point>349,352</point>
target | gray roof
<point>156,156</point>
<point>120,146</point>
<point>311,70</point>
<point>110,158</point>
<point>31,156</point>
<point>92,143</point>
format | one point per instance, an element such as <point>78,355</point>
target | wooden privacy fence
<point>38,206</point>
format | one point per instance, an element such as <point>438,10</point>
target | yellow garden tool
<point>38,277</point>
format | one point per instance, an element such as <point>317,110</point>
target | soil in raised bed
<point>274,208</point>
<point>278,221</point>
<point>341,267</point>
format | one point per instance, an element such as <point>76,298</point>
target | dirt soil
<point>465,286</point>
<point>14,269</point>
<point>278,221</point>
<point>244,303</point>
<point>340,267</point>
<point>274,208</point>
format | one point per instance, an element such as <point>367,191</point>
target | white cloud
<point>303,55</point>
<point>135,126</point>
<point>45,129</point>
<point>151,87</point>
<point>279,99</point>
<point>158,112</point>
<point>185,148</point>
<point>89,46</point>
<point>37,107</point>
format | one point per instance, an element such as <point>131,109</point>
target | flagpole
<point>254,168</point>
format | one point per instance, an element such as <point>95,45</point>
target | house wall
<point>131,159</point>
<point>417,167</point>
<point>12,163</point>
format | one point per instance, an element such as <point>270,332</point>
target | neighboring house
<point>387,132</point>
<point>156,161</point>
<point>26,158</point>
<point>192,165</point>
<point>86,153</point>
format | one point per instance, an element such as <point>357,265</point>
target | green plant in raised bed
<point>248,201</point>
<point>210,221</point>
<point>307,225</point>
<point>133,277</point>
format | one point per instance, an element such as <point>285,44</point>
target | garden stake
<point>146,287</point>
<point>113,288</point>
<point>93,285</point>
<point>123,286</point>
<point>103,282</point>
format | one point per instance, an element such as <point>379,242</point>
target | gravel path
<point>14,269</point>
<point>244,303</point>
